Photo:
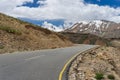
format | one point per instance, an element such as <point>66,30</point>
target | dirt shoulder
<point>99,64</point>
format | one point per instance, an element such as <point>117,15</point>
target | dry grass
<point>10,30</point>
<point>98,63</point>
<point>31,37</point>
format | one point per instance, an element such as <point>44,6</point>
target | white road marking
<point>34,57</point>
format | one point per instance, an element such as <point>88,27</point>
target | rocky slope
<point>16,35</point>
<point>79,38</point>
<point>101,28</point>
<point>99,64</point>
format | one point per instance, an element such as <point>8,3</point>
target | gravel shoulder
<point>104,60</point>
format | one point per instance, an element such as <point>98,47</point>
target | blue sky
<point>61,12</point>
<point>111,3</point>
<point>56,22</point>
<point>32,4</point>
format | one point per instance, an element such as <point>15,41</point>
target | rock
<point>105,60</point>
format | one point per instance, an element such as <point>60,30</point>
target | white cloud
<point>70,10</point>
<point>51,26</point>
<point>9,5</point>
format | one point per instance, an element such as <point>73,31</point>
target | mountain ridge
<point>101,28</point>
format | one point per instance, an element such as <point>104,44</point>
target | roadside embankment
<point>98,64</point>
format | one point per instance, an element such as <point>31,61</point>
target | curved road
<point>37,65</point>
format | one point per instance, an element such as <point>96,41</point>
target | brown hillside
<point>16,35</point>
<point>80,38</point>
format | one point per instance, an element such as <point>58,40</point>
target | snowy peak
<point>100,28</point>
<point>97,23</point>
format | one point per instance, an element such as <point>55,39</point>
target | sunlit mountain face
<point>101,28</point>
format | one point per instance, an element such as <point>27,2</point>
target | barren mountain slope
<point>80,38</point>
<point>16,35</point>
<point>101,28</point>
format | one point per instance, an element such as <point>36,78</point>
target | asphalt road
<point>37,65</point>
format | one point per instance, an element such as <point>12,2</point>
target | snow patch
<point>94,30</point>
<point>80,26</point>
<point>97,23</point>
<point>74,26</point>
<point>81,29</point>
<point>107,25</point>
<point>83,22</point>
<point>90,24</point>
<point>86,28</point>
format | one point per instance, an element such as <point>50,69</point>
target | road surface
<point>37,65</point>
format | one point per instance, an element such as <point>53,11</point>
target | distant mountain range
<point>98,32</point>
<point>101,28</point>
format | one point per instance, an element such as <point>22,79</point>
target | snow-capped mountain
<point>102,28</point>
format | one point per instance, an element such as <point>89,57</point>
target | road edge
<point>72,59</point>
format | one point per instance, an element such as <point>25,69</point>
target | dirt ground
<point>104,60</point>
